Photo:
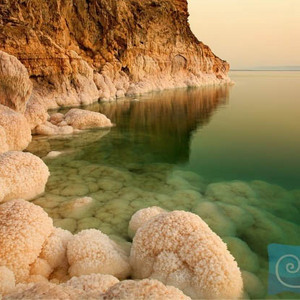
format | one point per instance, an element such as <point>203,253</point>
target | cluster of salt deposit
<point>83,194</point>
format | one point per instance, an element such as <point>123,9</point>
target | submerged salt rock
<point>239,216</point>
<point>215,219</point>
<point>91,251</point>
<point>15,85</point>
<point>24,227</point>
<point>179,249</point>
<point>7,280</point>
<point>141,217</point>
<point>144,289</point>
<point>253,285</point>
<point>53,154</point>
<point>78,208</point>
<point>83,119</point>
<point>245,257</point>
<point>236,192</point>
<point>22,175</point>
<point>67,224</point>
<point>75,189</point>
<point>88,223</point>
<point>17,129</point>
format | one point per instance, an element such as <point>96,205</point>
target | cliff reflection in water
<point>161,124</point>
<point>155,128</point>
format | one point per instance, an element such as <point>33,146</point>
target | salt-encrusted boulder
<point>91,251</point>
<point>15,85</point>
<point>3,142</point>
<point>179,249</point>
<point>48,128</point>
<point>141,217</point>
<point>7,280</point>
<point>83,119</point>
<point>16,127</point>
<point>43,291</point>
<point>24,227</point>
<point>22,175</point>
<point>93,284</point>
<point>53,254</point>
<point>144,289</point>
<point>35,113</point>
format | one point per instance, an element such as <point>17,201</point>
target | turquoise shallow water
<point>228,154</point>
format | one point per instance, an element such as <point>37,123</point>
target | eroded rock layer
<point>77,51</point>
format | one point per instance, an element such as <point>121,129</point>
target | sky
<point>249,33</point>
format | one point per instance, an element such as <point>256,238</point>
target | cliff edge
<point>77,51</point>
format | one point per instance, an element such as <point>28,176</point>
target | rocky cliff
<point>77,51</point>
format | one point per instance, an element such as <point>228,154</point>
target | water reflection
<point>161,124</point>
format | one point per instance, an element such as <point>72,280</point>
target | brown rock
<point>79,51</point>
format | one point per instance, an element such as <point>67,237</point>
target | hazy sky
<point>249,33</point>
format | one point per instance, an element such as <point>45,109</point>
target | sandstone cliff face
<point>77,51</point>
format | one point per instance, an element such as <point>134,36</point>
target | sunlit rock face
<point>15,85</point>
<point>78,52</point>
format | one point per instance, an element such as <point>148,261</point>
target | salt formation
<point>247,215</point>
<point>15,85</point>
<point>53,254</point>
<point>73,121</point>
<point>3,142</point>
<point>24,227</point>
<point>144,289</point>
<point>48,128</point>
<point>44,290</point>
<point>7,280</point>
<point>93,284</point>
<point>91,251</point>
<point>35,113</point>
<point>83,119</point>
<point>141,217</point>
<point>22,175</point>
<point>16,128</point>
<point>179,249</point>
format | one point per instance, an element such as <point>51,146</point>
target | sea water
<point>230,154</point>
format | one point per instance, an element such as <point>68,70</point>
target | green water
<point>228,154</point>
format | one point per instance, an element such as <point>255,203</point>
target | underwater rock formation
<point>179,249</point>
<point>22,175</point>
<point>78,52</point>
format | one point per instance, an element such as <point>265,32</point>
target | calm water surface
<point>229,154</point>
